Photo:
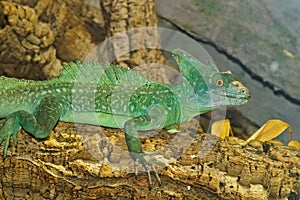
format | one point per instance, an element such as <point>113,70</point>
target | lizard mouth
<point>240,93</point>
<point>240,97</point>
<point>217,100</point>
<point>232,99</point>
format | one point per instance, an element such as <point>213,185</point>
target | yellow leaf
<point>221,128</point>
<point>270,130</point>
<point>294,143</point>
<point>276,142</point>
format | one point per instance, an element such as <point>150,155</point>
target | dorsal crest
<point>95,73</point>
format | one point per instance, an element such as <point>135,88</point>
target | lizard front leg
<point>39,123</point>
<point>135,147</point>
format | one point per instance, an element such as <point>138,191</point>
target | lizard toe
<point>147,160</point>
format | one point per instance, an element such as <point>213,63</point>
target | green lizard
<point>122,98</point>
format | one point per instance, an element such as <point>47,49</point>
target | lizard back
<point>114,90</point>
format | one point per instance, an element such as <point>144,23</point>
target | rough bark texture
<point>37,36</point>
<point>131,44</point>
<point>88,162</point>
<point>95,164</point>
<point>127,15</point>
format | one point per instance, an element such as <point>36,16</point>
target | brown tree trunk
<point>129,15</point>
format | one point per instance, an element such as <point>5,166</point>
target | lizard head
<point>208,88</point>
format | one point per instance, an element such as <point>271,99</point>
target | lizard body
<point>115,97</point>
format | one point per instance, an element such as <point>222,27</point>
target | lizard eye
<point>220,82</point>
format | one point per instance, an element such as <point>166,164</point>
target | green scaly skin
<point>115,97</point>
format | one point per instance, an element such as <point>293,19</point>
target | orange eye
<point>220,82</point>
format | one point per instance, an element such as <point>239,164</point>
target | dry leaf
<point>221,128</point>
<point>271,129</point>
<point>294,143</point>
<point>276,142</point>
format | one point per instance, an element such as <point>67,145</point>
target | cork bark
<point>133,41</point>
<point>36,37</point>
<point>90,162</point>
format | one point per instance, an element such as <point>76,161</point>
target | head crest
<point>193,71</point>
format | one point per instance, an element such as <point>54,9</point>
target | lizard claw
<point>147,160</point>
<point>5,146</point>
<point>5,138</point>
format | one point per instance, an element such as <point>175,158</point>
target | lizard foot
<point>8,129</point>
<point>147,160</point>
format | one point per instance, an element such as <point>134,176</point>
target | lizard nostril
<point>244,91</point>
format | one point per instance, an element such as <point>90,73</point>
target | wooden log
<point>90,162</point>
